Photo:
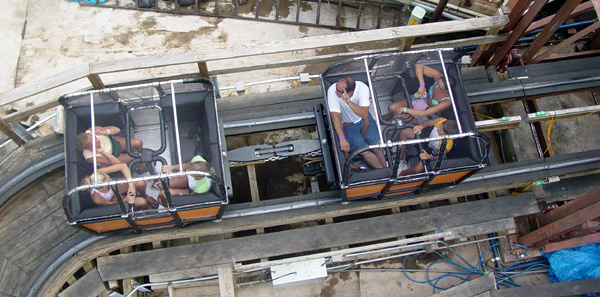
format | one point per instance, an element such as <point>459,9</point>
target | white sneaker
<point>402,166</point>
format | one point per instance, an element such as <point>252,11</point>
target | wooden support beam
<point>203,69</point>
<point>574,205</point>
<point>253,183</point>
<point>8,131</point>
<point>576,55</point>
<point>565,43</point>
<point>498,124</point>
<point>226,284</point>
<point>525,21</point>
<point>573,242</point>
<point>561,226</point>
<point>581,8</point>
<point>517,8</point>
<point>558,19</point>
<point>96,81</point>
<point>561,114</point>
<point>438,11</point>
<point>89,285</point>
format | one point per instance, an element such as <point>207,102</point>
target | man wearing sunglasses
<point>348,102</point>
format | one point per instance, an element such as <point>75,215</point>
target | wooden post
<point>438,11</point>
<point>226,285</point>
<point>253,184</point>
<point>7,130</point>
<point>565,43</point>
<point>549,30</point>
<point>96,81</point>
<point>203,69</point>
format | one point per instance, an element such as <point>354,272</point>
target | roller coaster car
<point>392,78</point>
<point>176,120</point>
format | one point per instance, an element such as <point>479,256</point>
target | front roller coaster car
<point>394,79</point>
<point>175,120</point>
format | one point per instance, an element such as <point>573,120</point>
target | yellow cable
<point>526,188</point>
<point>271,138</point>
<point>482,115</point>
<point>310,135</point>
<point>550,124</point>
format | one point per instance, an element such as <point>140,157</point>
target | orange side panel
<point>158,227</point>
<point>366,190</point>
<point>107,225</point>
<point>154,221</point>
<point>450,177</point>
<point>199,213</point>
<point>400,193</point>
<point>406,186</point>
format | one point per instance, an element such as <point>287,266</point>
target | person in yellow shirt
<point>433,128</point>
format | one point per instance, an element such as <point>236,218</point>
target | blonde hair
<point>82,141</point>
<point>89,179</point>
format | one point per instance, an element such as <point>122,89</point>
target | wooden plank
<point>317,237</point>
<point>560,226</point>
<point>89,285</point>
<point>45,84</point>
<point>524,22</point>
<point>96,81</point>
<point>8,131</point>
<point>572,288</point>
<point>581,8</point>
<point>482,228</point>
<point>561,114</point>
<point>11,274</point>
<point>559,18</point>
<point>211,270</point>
<point>577,204</point>
<point>575,55</point>
<point>348,38</point>
<point>253,183</point>
<point>495,125</point>
<point>565,43</point>
<point>226,285</point>
<point>474,287</point>
<point>574,242</point>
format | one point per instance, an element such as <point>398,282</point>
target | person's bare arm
<point>339,129</point>
<point>98,200</point>
<point>431,110</point>
<point>361,111</point>
<point>169,168</point>
<point>421,71</point>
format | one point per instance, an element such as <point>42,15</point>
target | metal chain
<point>316,153</point>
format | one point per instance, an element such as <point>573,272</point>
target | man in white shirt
<point>348,102</point>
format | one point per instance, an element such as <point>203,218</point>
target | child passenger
<point>110,149</point>
<point>183,185</point>
<point>434,128</point>
<point>106,196</point>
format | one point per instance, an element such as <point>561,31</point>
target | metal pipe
<point>93,127</point>
<point>449,87</point>
<point>374,103</point>
<point>270,81</point>
<point>176,122</point>
<point>106,90</point>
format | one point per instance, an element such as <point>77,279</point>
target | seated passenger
<point>183,185</point>
<point>106,196</point>
<point>432,104</point>
<point>110,149</point>
<point>348,102</point>
<point>433,128</point>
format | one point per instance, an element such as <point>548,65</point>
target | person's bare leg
<point>413,170</point>
<point>179,182</point>
<point>380,157</point>
<point>405,134</point>
<point>371,159</point>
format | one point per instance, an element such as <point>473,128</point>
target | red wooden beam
<point>517,8</point>
<point>526,20</point>
<point>566,244</point>
<point>561,226</point>
<point>558,19</point>
<point>581,8</point>
<point>565,43</point>
<point>576,204</point>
